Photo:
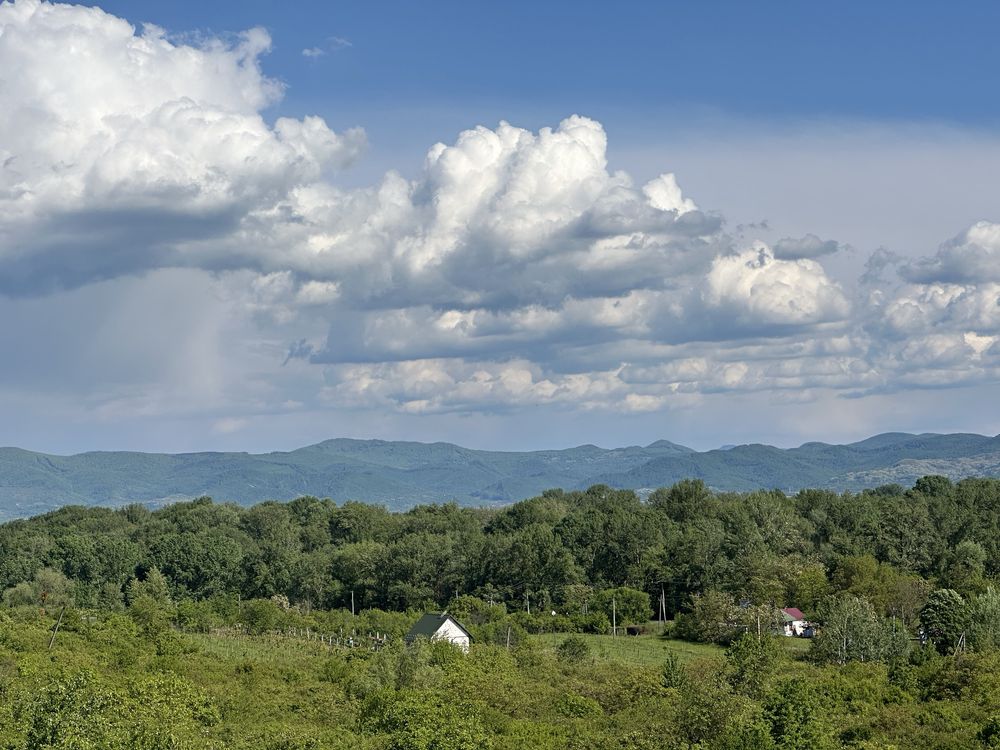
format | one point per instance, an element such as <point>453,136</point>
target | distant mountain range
<point>402,474</point>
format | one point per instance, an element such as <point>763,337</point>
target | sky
<point>254,226</point>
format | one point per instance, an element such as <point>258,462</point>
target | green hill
<point>402,474</point>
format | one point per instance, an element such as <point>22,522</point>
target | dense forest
<point>193,617</point>
<point>888,545</point>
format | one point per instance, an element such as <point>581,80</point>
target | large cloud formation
<point>118,148</point>
<point>515,270</point>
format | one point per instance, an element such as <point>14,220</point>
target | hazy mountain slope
<point>401,474</point>
<point>897,456</point>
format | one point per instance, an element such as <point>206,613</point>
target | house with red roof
<point>793,621</point>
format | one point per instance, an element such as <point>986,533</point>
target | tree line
<point>705,559</point>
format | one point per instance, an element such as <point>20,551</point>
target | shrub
<point>592,622</point>
<point>674,675</point>
<point>573,650</point>
<point>578,706</point>
<point>499,633</point>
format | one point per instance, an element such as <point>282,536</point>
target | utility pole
<point>56,628</point>
<point>352,602</point>
<point>527,602</point>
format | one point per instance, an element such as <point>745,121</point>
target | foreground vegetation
<point>110,682</point>
<point>207,625</point>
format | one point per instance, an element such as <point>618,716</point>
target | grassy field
<point>264,649</point>
<point>651,649</point>
<point>642,650</point>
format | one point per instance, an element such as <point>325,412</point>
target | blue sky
<point>887,60</point>
<point>711,223</point>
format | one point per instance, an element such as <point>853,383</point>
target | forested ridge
<point>164,613</point>
<point>402,474</point>
<point>681,541</point>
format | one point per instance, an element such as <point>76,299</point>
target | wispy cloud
<point>333,44</point>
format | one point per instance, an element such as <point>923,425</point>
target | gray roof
<point>430,623</point>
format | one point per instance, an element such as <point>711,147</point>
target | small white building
<point>793,622</point>
<point>441,626</point>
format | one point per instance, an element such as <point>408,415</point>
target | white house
<point>794,621</point>
<point>440,627</point>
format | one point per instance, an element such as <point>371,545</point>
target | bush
<point>983,621</point>
<point>794,712</point>
<point>989,734</point>
<point>49,588</point>
<point>592,622</point>
<point>578,706</point>
<point>496,633</point>
<point>471,610</point>
<point>334,670</point>
<point>674,675</point>
<point>82,711</point>
<point>196,616</point>
<point>416,721</point>
<point>751,662</point>
<point>260,616</point>
<point>151,615</point>
<point>573,650</point>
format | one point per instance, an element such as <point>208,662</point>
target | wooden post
<point>56,628</point>
<point>614,617</point>
<point>508,637</point>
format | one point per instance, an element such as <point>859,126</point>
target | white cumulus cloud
<point>758,289</point>
<point>516,269</point>
<point>117,146</point>
<point>971,257</point>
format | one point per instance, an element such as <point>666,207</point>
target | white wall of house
<point>450,632</point>
<point>795,627</point>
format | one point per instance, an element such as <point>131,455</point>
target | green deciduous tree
<point>794,713</point>
<point>983,621</point>
<point>851,630</point>
<point>943,619</point>
<point>628,606</point>
<point>48,588</point>
<point>965,569</point>
<point>713,618</point>
<point>751,662</point>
